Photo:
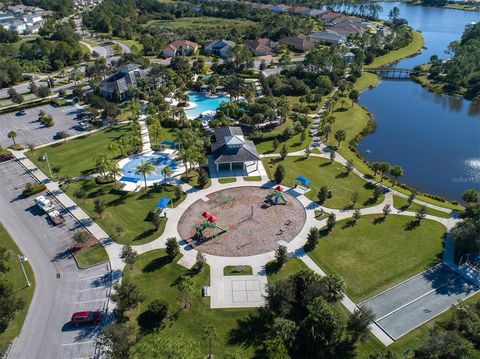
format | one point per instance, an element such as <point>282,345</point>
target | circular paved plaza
<point>246,224</point>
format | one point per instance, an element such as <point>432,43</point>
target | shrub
<point>158,311</point>
<point>33,188</point>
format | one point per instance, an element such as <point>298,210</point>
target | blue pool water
<point>203,103</point>
<point>159,160</point>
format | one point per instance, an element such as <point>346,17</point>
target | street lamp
<point>24,259</point>
<point>45,158</point>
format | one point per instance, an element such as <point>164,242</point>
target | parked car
<point>84,125</point>
<point>86,317</point>
<point>21,113</point>
<point>6,157</point>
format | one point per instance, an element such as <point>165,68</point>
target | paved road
<point>61,288</point>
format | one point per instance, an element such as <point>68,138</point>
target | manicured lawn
<point>166,134</point>
<point>373,256</point>
<point>17,279</point>
<point>293,144</point>
<point>227,180</point>
<point>191,177</point>
<point>92,256</point>
<point>77,157</point>
<point>324,173</point>
<point>202,23</point>
<point>293,265</point>
<point>237,270</point>
<point>365,81</point>
<point>393,56</point>
<point>131,210</point>
<point>402,204</point>
<point>156,278</point>
<point>252,178</point>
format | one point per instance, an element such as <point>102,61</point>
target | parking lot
<point>72,289</point>
<point>30,130</point>
<point>419,299</point>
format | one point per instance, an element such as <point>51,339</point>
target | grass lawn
<point>293,144</point>
<point>202,23</point>
<point>319,216</point>
<point>324,173</point>
<point>373,256</point>
<point>191,177</point>
<point>402,204</point>
<point>293,265</point>
<point>365,81</point>
<point>166,134</point>
<point>156,278</point>
<point>237,270</point>
<point>411,49</point>
<point>16,278</point>
<point>227,180</point>
<point>131,210</point>
<point>252,178</point>
<point>77,157</point>
<point>92,256</point>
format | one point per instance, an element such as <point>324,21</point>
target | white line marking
<point>79,343</point>
<point>91,301</point>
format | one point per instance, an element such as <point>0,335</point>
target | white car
<point>44,204</point>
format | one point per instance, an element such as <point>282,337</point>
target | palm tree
<point>395,172</point>
<point>340,136</point>
<point>113,147</point>
<point>166,171</point>
<point>145,168</point>
<point>12,134</point>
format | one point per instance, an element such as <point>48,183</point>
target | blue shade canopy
<point>170,143</point>
<point>303,180</point>
<point>164,202</point>
<point>130,179</point>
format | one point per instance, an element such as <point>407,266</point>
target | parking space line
<point>80,343</point>
<point>91,301</point>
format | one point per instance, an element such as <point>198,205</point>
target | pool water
<point>203,103</point>
<point>158,160</point>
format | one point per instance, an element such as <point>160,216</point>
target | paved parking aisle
<point>419,299</point>
<point>61,288</point>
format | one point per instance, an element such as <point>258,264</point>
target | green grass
<point>202,23</point>
<point>402,204</point>
<point>293,265</point>
<point>92,256</point>
<point>365,81</point>
<point>293,144</point>
<point>252,178</point>
<point>191,177</point>
<point>237,270</point>
<point>77,156</point>
<point>166,134</point>
<point>227,180</point>
<point>373,256</point>
<point>16,278</point>
<point>156,278</point>
<point>319,216</point>
<point>324,173</point>
<point>129,209</point>
<point>411,49</point>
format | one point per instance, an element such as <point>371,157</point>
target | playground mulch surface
<point>246,235</point>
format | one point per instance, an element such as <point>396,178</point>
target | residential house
<point>232,151</point>
<point>328,36</point>
<point>348,58</point>
<point>349,27</point>
<point>116,86</point>
<point>180,48</point>
<point>280,8</point>
<point>329,17</point>
<point>222,48</point>
<point>299,43</point>
<point>299,10</point>
<point>262,47</point>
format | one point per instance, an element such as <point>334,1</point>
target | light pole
<point>45,157</point>
<point>24,259</point>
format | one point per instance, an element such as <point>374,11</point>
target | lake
<point>435,138</point>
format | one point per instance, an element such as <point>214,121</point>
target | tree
<point>281,256</point>
<point>202,178</point>
<point>331,221</point>
<point>384,169</point>
<point>279,174</point>
<point>312,238</point>
<point>43,91</point>
<point>396,172</point>
<point>186,286</point>
<point>471,196</point>
<point>308,151</point>
<point>178,192</point>
<point>323,194</point>
<point>210,334</point>
<point>81,237</point>
<point>356,216</point>
<point>411,197</point>
<point>166,172</point>
<point>117,340</point>
<point>15,96</point>
<point>119,230</point>
<point>283,152</point>
<point>126,296</point>
<point>63,135</point>
<point>157,311</point>
<point>172,248</point>
<point>354,198</point>
<point>168,347</point>
<point>349,167</point>
<point>33,87</point>
<point>128,255</point>
<point>421,214</point>
<point>377,192</point>
<point>358,323</point>
<point>200,261</point>
<point>99,207</point>
<point>275,349</point>
<point>376,167</point>
<point>275,144</point>
<point>386,210</point>
<point>340,136</point>
<point>12,135</point>
<point>332,155</point>
<point>145,169</point>
<point>4,258</point>
<point>353,95</point>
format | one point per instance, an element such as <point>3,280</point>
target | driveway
<point>30,130</point>
<point>61,288</point>
<point>419,299</point>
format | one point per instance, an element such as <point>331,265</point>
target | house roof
<point>327,34</point>
<point>123,79</point>
<point>173,46</point>
<point>231,146</point>
<point>300,42</point>
<point>262,44</point>
<point>218,45</point>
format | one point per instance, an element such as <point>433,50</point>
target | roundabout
<point>246,221</point>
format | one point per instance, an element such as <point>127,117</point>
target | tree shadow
<point>250,330</point>
<point>342,175</point>
<point>411,225</point>
<point>144,234</point>
<point>272,267</point>
<point>349,224</point>
<point>156,264</point>
<point>379,220</point>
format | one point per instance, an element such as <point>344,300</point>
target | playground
<point>242,221</point>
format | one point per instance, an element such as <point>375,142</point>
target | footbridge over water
<point>392,72</point>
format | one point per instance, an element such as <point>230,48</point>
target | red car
<point>87,317</point>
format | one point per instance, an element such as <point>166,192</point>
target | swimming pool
<point>203,103</point>
<point>158,160</point>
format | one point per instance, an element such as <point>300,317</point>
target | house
<point>300,43</point>
<point>349,27</point>
<point>329,17</point>
<point>262,47</point>
<point>280,8</point>
<point>232,151</point>
<point>328,36</point>
<point>115,87</point>
<point>348,58</point>
<point>180,48</point>
<point>299,10</point>
<point>220,48</point>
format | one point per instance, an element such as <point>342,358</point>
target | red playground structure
<point>209,222</point>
